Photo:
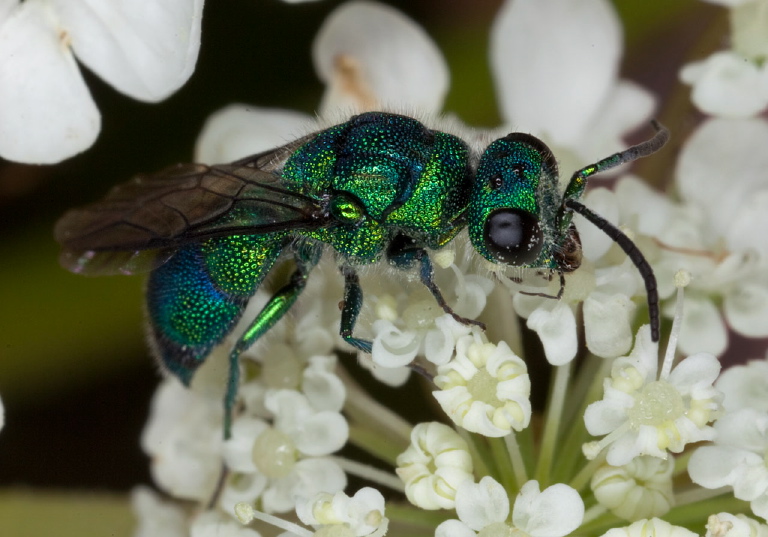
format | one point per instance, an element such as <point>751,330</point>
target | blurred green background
<point>75,375</point>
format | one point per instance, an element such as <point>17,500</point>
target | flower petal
<point>372,56</point>
<point>702,329</point>
<point>46,111</point>
<point>557,330</point>
<point>552,78</point>
<point>482,504</point>
<point>727,85</point>
<point>607,324</point>
<point>718,149</point>
<point>554,512</point>
<point>239,130</point>
<point>143,48</point>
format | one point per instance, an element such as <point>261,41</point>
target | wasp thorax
<point>513,236</point>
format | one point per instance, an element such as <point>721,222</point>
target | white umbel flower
<point>484,507</point>
<point>183,439</point>
<point>485,388</point>
<point>728,525</point>
<point>434,465</point>
<point>286,459</point>
<point>647,412</point>
<point>745,386</point>
<point>737,459</point>
<point>144,49</point>
<point>362,514</point>
<point>654,527</point>
<point>640,489</point>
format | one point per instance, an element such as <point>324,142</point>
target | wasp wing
<point>139,224</point>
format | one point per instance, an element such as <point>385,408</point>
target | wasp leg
<point>559,294</point>
<point>403,254</point>
<point>272,312</point>
<point>353,301</point>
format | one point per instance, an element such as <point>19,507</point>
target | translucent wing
<point>139,224</point>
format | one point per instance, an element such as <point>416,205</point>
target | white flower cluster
<point>501,467</point>
<point>734,83</point>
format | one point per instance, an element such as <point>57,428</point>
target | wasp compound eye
<point>513,236</point>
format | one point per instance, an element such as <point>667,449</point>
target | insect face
<point>511,218</point>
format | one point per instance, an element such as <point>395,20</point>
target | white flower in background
<point>144,49</point>
<point>640,489</point>
<point>728,525</point>
<point>288,458</point>
<point>155,517</point>
<point>745,386</point>
<point>734,83</point>
<point>362,514</point>
<point>485,388</point>
<point>214,524</point>
<point>484,507</point>
<point>647,412</point>
<point>737,458</point>
<point>654,527</point>
<point>434,465</point>
<point>721,176</point>
<point>183,439</point>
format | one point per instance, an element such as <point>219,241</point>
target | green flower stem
<point>695,515</point>
<point>375,475</point>
<point>426,521</point>
<point>507,476</point>
<point>699,494</point>
<point>366,414</point>
<point>594,512</point>
<point>681,463</point>
<point>516,457</point>
<point>586,390</point>
<point>552,423</point>
<point>479,451</point>
<point>585,474</point>
<point>282,524</point>
<point>601,524</point>
<point>375,443</point>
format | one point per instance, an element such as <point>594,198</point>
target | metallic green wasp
<point>377,186</point>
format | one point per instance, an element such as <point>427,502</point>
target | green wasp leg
<point>273,311</point>
<point>353,301</point>
<point>403,253</point>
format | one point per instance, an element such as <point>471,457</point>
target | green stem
<point>374,426</point>
<point>502,460</point>
<point>408,514</point>
<point>698,512</point>
<point>516,456</point>
<point>699,494</point>
<point>552,424</point>
<point>369,473</point>
<point>593,512</point>
<point>480,453</point>
<point>375,444</point>
<point>589,388</point>
<point>585,474</point>
<point>681,463</point>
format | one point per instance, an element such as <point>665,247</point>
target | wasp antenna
<point>578,181</point>
<point>632,252</point>
<point>645,148</point>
